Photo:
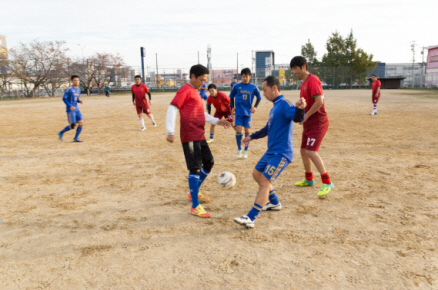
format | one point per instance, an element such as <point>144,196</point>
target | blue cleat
<point>60,136</point>
<point>77,140</point>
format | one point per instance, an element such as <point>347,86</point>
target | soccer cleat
<point>270,206</point>
<point>373,113</point>
<point>199,211</point>
<point>77,140</point>
<point>200,197</point>
<point>239,154</point>
<point>60,136</point>
<point>155,124</point>
<point>144,128</point>
<point>244,221</point>
<point>304,182</point>
<point>245,153</point>
<point>325,188</point>
<point>210,141</point>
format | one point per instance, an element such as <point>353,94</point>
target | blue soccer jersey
<point>232,85</point>
<point>203,91</point>
<point>279,127</point>
<point>243,96</point>
<point>71,97</point>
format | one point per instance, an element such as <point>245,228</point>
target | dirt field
<point>112,212</point>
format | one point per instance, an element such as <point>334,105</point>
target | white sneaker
<point>239,154</point>
<point>155,124</point>
<point>270,206</point>
<point>244,221</point>
<point>210,141</point>
<point>245,153</point>
<point>372,113</point>
<point>144,128</point>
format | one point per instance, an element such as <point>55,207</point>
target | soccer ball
<point>226,180</point>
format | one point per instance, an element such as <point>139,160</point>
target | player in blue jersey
<point>203,91</point>
<point>233,83</point>
<point>74,116</point>
<point>280,151</point>
<point>242,97</point>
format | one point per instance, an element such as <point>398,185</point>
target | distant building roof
<point>433,46</point>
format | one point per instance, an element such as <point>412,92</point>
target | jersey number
<point>310,140</point>
<point>270,170</point>
<point>245,97</point>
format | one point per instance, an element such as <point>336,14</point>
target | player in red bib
<point>139,91</point>
<point>221,103</point>
<point>376,93</point>
<point>315,124</point>
<point>198,156</point>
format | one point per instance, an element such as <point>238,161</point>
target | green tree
<point>308,51</point>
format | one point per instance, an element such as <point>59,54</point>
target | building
<point>432,67</point>
<point>380,70</point>
<point>222,77</point>
<point>404,70</point>
<point>264,62</point>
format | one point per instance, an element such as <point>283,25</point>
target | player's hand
<point>305,119</point>
<point>301,103</point>
<point>253,110</point>
<point>81,102</point>
<point>150,103</point>
<point>246,140</point>
<point>133,103</point>
<point>233,111</point>
<point>224,123</point>
<point>170,138</point>
<point>72,108</point>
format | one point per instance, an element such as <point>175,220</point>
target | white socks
<point>152,118</point>
<point>142,123</point>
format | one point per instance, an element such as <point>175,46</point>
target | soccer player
<point>203,91</point>
<point>233,83</point>
<point>107,90</point>
<point>315,125</point>
<point>242,97</point>
<point>280,152</point>
<point>221,103</point>
<point>74,116</point>
<point>198,156</point>
<point>139,91</point>
<point>376,93</point>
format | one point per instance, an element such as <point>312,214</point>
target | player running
<point>203,91</point>
<point>221,103</point>
<point>376,93</point>
<point>233,83</point>
<point>139,91</point>
<point>107,90</point>
<point>242,97</point>
<point>74,116</point>
<point>280,151</point>
<point>315,125</point>
<point>198,156</point>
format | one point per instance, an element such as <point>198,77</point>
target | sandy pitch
<point>112,212</point>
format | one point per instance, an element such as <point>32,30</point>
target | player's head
<point>212,90</point>
<point>271,88</point>
<point>137,79</point>
<point>245,74</point>
<point>198,75</point>
<point>299,66</point>
<point>235,79</point>
<point>374,78</point>
<point>75,80</point>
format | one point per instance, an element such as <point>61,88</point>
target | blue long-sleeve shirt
<point>243,96</point>
<point>279,127</point>
<point>71,97</point>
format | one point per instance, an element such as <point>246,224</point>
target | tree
<point>308,51</point>
<point>5,76</point>
<point>104,65</point>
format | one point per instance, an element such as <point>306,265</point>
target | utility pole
<point>198,57</point>
<point>237,72</point>
<point>142,55</point>
<point>156,62</point>
<point>413,62</point>
<point>209,62</point>
<point>88,77</point>
<point>422,66</point>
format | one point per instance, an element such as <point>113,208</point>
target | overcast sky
<point>177,30</point>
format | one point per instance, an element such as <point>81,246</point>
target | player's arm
<point>150,97</point>
<point>377,91</point>
<point>259,98</point>
<point>232,97</point>
<point>133,98</point>
<point>216,121</point>
<point>256,135</point>
<point>172,111</point>
<point>209,109</point>
<point>318,103</point>
<point>65,99</point>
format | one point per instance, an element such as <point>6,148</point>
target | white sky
<point>177,30</point>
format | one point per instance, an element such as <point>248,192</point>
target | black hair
<point>198,70</point>
<point>212,86</point>
<point>374,75</point>
<point>299,61</point>
<point>235,78</point>
<point>137,76</point>
<point>74,76</point>
<point>245,71</point>
<point>272,81</point>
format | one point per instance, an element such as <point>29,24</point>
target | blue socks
<point>65,129</point>
<point>194,189</point>
<point>239,141</point>
<point>254,212</point>
<point>375,108</point>
<point>211,136</point>
<point>78,131</point>
<point>202,175</point>
<point>246,147</point>
<point>273,199</point>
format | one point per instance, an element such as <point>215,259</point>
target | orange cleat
<point>199,211</point>
<point>200,197</point>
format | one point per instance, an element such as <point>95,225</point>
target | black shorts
<point>107,94</point>
<point>197,153</point>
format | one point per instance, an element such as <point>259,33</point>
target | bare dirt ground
<point>112,212</point>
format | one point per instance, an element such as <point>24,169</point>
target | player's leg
<point>67,128</point>
<point>148,113</point>
<point>212,129</point>
<point>80,121</point>
<point>207,165</point>
<point>307,162</point>
<point>375,101</point>
<point>239,125</point>
<point>247,132</point>
<point>140,117</point>
<point>192,153</point>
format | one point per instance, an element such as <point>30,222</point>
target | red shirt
<point>191,110</point>
<point>310,89</point>
<point>221,102</point>
<point>140,94</point>
<point>376,85</point>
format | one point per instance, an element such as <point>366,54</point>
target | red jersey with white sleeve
<point>221,102</point>
<point>375,85</point>
<point>191,110</point>
<point>310,89</point>
<point>140,94</point>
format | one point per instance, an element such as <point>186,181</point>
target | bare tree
<point>104,65</point>
<point>5,76</point>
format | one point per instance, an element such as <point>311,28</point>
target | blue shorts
<point>74,116</point>
<point>244,121</point>
<point>272,166</point>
